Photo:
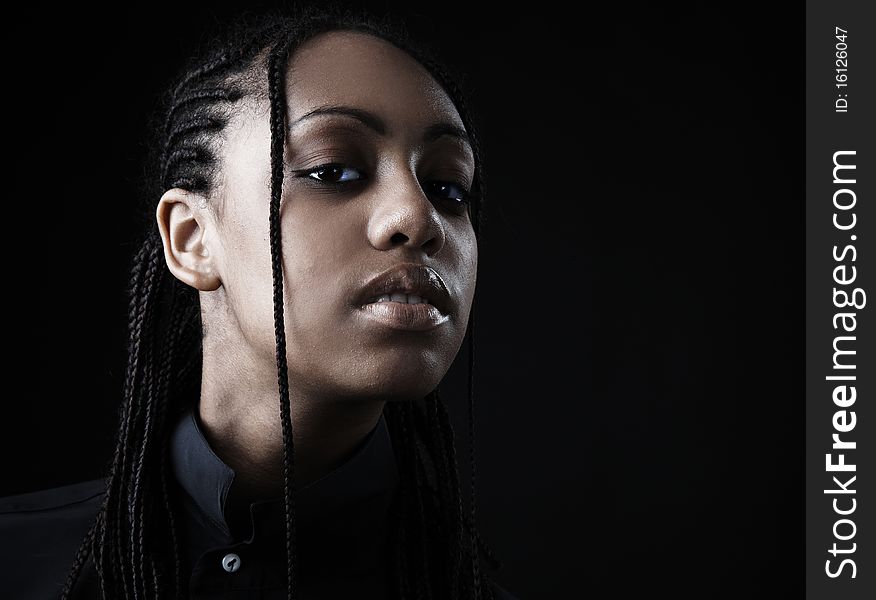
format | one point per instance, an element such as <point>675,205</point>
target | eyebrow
<point>372,121</point>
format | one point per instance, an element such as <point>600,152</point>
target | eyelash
<point>464,198</point>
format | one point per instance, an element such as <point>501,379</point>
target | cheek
<point>471,263</point>
<point>319,262</point>
<point>465,266</point>
<point>250,295</point>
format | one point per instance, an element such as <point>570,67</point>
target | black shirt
<point>341,529</point>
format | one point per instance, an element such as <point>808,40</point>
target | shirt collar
<point>371,472</point>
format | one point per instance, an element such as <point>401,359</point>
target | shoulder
<point>40,533</point>
<point>57,498</point>
<point>501,593</point>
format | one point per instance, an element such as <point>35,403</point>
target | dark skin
<point>343,368</point>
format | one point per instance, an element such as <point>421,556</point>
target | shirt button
<point>231,562</point>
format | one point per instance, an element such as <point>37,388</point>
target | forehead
<point>356,69</point>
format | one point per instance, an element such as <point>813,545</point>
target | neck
<point>239,413</point>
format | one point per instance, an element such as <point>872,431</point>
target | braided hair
<point>134,541</point>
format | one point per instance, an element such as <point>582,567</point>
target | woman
<point>311,236</point>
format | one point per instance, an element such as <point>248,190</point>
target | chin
<point>401,381</point>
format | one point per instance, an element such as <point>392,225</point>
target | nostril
<point>399,238</point>
<point>431,246</point>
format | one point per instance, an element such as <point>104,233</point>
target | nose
<point>404,216</point>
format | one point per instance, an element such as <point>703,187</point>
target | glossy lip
<point>405,317</point>
<point>407,278</point>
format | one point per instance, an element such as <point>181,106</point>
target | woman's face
<point>391,198</point>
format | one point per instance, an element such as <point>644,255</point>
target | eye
<point>448,191</point>
<point>332,173</point>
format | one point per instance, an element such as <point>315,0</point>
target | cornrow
<point>208,68</point>
<point>134,541</point>
<point>207,95</point>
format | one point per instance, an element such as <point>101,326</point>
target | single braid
<point>136,504</point>
<point>395,424</point>
<point>475,563</point>
<point>410,470</point>
<point>449,494</point>
<point>420,478</point>
<point>437,422</point>
<point>276,82</point>
<point>79,561</point>
<point>174,537</point>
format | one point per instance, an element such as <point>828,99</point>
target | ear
<point>184,226</point>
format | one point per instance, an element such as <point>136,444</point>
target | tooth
<point>414,299</point>
<point>399,298</point>
<point>383,298</point>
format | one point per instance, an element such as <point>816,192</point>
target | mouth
<point>407,283</point>
<point>408,296</point>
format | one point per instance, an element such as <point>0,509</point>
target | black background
<point>639,303</point>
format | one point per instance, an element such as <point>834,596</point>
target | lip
<point>406,278</point>
<point>407,317</point>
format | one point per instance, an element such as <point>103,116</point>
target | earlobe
<point>183,226</point>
